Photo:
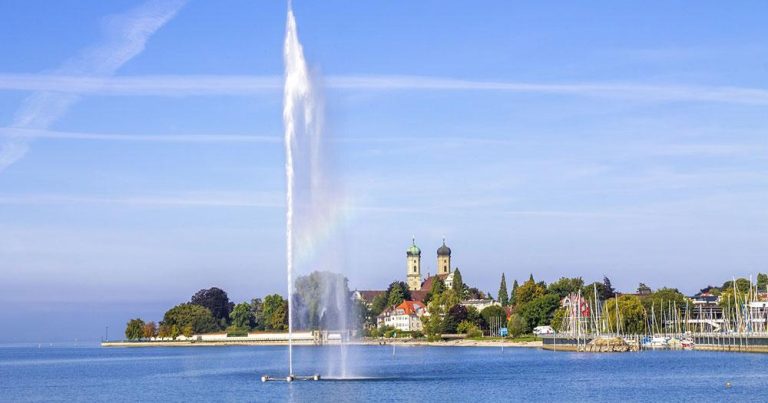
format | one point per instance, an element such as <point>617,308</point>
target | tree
<point>566,286</point>
<point>762,282</point>
<point>241,316</point>
<point>742,285</point>
<point>513,294</point>
<point>539,312</point>
<point>494,314</point>
<point>149,330</point>
<point>469,328</point>
<point>164,331</point>
<point>643,289</point>
<point>661,302</point>
<point>437,288</point>
<point>517,326</point>
<point>448,299</point>
<point>397,292</point>
<point>134,330</point>
<point>608,291</point>
<point>458,283</point>
<point>588,291</point>
<point>527,292</point>
<point>321,301</point>
<point>379,304</point>
<point>474,293</point>
<point>455,315</point>
<point>257,313</point>
<point>217,302</point>
<point>175,332</point>
<point>558,317</point>
<point>198,318</point>
<point>473,315</point>
<point>503,295</point>
<point>275,312</point>
<point>632,316</point>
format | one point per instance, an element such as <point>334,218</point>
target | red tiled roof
<point>410,307</point>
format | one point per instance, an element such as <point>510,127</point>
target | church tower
<point>413,257</point>
<point>443,259</point>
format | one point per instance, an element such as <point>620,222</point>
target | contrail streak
<point>125,37</point>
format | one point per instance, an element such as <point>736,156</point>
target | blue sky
<point>560,139</point>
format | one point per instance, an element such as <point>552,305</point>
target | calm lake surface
<point>408,374</point>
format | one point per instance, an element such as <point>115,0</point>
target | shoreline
<point>384,342</point>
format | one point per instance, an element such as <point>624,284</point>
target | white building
<point>405,317</point>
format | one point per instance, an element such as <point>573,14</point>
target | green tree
<point>670,301</point>
<point>241,316</point>
<point>517,326</point>
<point>134,330</point>
<point>473,315</point>
<point>321,301</point>
<point>458,283</point>
<point>175,332</point>
<point>588,291</point>
<point>447,299</point>
<point>643,289</point>
<point>257,313</point>
<point>455,315</point>
<point>558,317</point>
<point>503,295</point>
<point>539,312</point>
<point>275,312</point>
<point>379,304</point>
<point>632,316</point>
<point>198,318</point>
<point>437,288</point>
<point>762,282</point>
<point>217,302</point>
<point>742,285</point>
<point>397,292</point>
<point>527,292</point>
<point>513,294</point>
<point>433,324</point>
<point>469,328</point>
<point>608,291</point>
<point>493,314</point>
<point>566,286</point>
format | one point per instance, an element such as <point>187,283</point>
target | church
<point>420,287</point>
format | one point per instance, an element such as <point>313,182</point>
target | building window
<point>445,267</point>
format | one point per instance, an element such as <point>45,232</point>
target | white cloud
<point>169,138</point>
<point>125,36</point>
<point>245,85</point>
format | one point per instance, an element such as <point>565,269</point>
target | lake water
<point>408,374</point>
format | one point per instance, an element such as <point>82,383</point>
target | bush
<point>517,325</point>
<point>233,331</point>
<point>469,328</point>
<point>417,334</point>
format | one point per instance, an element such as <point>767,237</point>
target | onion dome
<point>443,250</point>
<point>413,250</point>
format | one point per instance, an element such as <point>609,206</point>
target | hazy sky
<point>142,152</point>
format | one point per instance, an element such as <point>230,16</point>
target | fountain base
<point>290,378</point>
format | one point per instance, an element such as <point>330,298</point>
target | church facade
<point>413,268</point>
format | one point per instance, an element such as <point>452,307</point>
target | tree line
<point>210,310</point>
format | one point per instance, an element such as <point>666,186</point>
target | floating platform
<point>290,378</point>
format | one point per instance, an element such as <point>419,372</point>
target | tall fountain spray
<point>300,117</point>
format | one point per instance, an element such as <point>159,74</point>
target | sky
<point>141,154</point>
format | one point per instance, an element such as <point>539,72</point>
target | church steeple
<point>443,259</point>
<point>413,269</point>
